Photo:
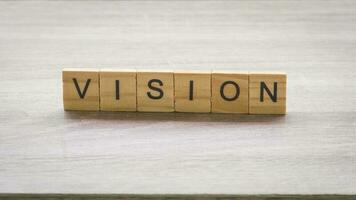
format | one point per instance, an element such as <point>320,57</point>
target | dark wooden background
<point>311,150</point>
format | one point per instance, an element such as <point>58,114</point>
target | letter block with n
<point>267,93</point>
<point>80,89</point>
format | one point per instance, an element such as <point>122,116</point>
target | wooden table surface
<point>311,150</point>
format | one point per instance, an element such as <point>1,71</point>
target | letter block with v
<point>81,89</point>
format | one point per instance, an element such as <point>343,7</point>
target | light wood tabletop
<point>311,150</point>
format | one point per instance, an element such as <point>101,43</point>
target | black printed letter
<point>81,94</point>
<point>191,90</point>
<point>272,96</point>
<point>237,94</point>
<point>117,84</point>
<point>155,89</point>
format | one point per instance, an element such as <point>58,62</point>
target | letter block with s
<point>155,91</point>
<point>80,89</point>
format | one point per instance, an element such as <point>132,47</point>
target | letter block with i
<point>267,93</point>
<point>80,89</point>
<point>118,90</point>
<point>192,91</point>
<point>229,92</point>
<point>155,91</point>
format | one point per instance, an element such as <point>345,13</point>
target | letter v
<point>81,94</point>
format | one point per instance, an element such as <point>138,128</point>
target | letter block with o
<point>267,93</point>
<point>81,89</point>
<point>155,91</point>
<point>229,92</point>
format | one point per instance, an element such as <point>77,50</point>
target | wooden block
<point>155,91</point>
<point>80,89</point>
<point>229,92</point>
<point>192,91</point>
<point>118,90</point>
<point>267,93</point>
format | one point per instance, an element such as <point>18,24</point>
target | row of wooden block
<point>174,91</point>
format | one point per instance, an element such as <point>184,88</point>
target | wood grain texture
<point>267,93</point>
<point>311,150</point>
<point>170,197</point>
<point>80,89</point>
<point>155,91</point>
<point>229,92</point>
<point>118,90</point>
<point>192,91</point>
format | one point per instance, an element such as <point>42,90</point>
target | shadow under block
<point>192,91</point>
<point>118,90</point>
<point>155,91</point>
<point>80,89</point>
<point>267,93</point>
<point>229,92</point>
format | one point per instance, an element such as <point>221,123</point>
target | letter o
<point>237,94</point>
